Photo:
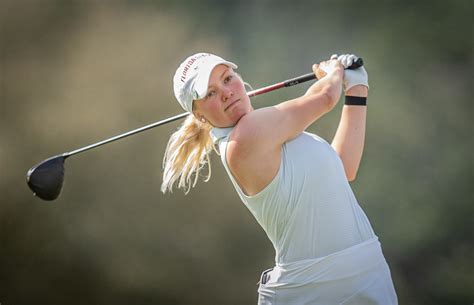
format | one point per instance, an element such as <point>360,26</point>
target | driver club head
<point>46,178</point>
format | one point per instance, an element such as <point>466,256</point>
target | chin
<point>238,116</point>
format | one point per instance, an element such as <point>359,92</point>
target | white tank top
<point>308,210</point>
<point>326,250</point>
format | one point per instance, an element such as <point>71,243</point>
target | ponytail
<point>186,154</point>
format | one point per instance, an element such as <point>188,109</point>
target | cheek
<point>212,110</point>
<point>239,87</point>
<point>214,107</point>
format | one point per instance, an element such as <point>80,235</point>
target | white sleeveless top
<point>321,236</point>
<point>308,210</point>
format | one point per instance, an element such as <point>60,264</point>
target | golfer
<point>294,183</point>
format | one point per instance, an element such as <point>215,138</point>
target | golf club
<point>46,178</point>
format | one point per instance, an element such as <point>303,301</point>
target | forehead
<point>218,72</point>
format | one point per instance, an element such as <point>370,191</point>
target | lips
<point>230,105</point>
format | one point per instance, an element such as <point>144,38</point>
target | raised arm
<point>350,135</point>
<point>254,150</point>
<point>273,126</point>
<point>349,139</point>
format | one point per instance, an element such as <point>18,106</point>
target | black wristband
<point>355,101</point>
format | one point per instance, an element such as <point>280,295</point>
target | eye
<point>228,78</point>
<point>210,94</point>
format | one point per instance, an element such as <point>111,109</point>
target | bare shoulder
<point>257,126</point>
<point>254,133</point>
<point>252,156</point>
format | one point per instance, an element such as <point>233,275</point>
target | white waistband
<point>348,262</point>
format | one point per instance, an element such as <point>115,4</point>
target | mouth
<point>230,105</point>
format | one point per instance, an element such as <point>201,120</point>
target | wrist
<point>358,90</point>
<point>339,71</point>
<point>336,77</point>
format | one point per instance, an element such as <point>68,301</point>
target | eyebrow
<point>225,71</point>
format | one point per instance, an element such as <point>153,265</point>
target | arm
<point>273,126</point>
<point>350,135</point>
<point>254,150</point>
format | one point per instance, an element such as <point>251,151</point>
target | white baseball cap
<point>191,79</point>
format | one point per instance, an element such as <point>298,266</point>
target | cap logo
<point>186,68</point>
<point>189,64</point>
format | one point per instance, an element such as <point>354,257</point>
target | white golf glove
<point>352,77</point>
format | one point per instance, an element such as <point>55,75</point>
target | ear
<point>197,114</point>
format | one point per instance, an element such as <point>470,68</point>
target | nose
<point>227,94</point>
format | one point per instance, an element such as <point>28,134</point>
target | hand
<point>326,67</point>
<point>352,77</point>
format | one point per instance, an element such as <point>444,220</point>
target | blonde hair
<point>186,154</point>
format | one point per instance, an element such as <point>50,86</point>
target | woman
<point>293,182</point>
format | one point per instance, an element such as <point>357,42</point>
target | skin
<point>350,135</point>
<point>254,149</point>
<point>226,100</point>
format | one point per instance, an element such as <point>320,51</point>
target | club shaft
<point>286,83</point>
<point>129,133</point>
<point>253,93</point>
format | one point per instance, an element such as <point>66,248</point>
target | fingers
<point>335,61</point>
<point>351,77</point>
<point>320,73</point>
<point>347,60</point>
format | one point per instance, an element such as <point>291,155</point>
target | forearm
<point>330,84</point>
<point>294,116</point>
<point>350,135</point>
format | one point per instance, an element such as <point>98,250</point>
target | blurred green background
<point>75,72</point>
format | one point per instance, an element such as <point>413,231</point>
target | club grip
<point>356,64</point>
<point>310,76</point>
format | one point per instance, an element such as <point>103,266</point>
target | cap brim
<point>202,81</point>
